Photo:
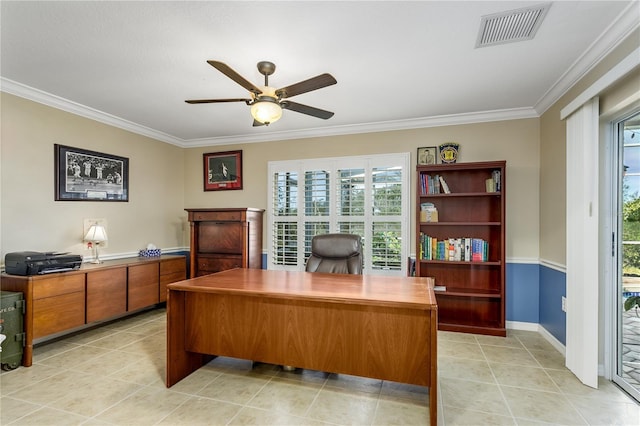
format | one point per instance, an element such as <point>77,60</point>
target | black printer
<point>34,263</point>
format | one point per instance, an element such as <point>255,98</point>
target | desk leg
<point>180,362</point>
<point>433,386</point>
<point>27,354</point>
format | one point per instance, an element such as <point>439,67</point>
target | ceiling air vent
<point>511,26</point>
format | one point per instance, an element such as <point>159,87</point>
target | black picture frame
<point>84,175</point>
<point>222,170</point>
<point>427,155</point>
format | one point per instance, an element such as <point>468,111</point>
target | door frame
<point>612,228</point>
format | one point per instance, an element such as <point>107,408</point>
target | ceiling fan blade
<point>256,123</point>
<point>226,70</point>
<point>216,101</point>
<point>305,109</point>
<point>314,83</point>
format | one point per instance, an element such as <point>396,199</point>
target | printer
<point>36,263</point>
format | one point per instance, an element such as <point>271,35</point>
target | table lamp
<point>96,235</point>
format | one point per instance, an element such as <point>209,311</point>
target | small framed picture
<point>222,170</point>
<point>427,155</point>
<point>449,152</point>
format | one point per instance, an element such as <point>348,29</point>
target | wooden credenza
<point>225,238</point>
<point>60,303</point>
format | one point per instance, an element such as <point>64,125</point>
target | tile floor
<point>114,375</point>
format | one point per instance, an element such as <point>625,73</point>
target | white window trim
<point>367,162</point>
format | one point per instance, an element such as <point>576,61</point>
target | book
<point>490,185</point>
<point>411,267</point>
<point>467,249</point>
<point>495,175</point>
<point>477,248</point>
<point>428,212</point>
<point>444,185</point>
<point>451,249</point>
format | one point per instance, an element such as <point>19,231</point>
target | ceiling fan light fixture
<point>268,102</point>
<point>266,110</point>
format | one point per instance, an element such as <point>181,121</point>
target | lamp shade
<point>96,234</point>
<point>266,111</point>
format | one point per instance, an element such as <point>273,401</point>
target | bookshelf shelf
<point>462,194</point>
<point>461,223</point>
<point>472,295</point>
<point>466,293</point>
<point>462,262</point>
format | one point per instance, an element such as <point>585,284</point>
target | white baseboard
<point>555,342</point>
<point>526,326</point>
<point>533,326</point>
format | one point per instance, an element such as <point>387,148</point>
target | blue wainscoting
<point>534,295</point>
<point>553,286</point>
<point>523,292</point>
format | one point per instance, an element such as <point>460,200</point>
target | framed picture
<point>83,175</point>
<point>222,170</point>
<point>449,152</point>
<point>427,155</point>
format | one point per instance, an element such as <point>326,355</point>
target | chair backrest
<point>336,254</point>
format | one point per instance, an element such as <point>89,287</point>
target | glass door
<point>627,374</point>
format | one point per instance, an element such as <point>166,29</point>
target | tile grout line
<point>504,398</point>
<point>315,398</point>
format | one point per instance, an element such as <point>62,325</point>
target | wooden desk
<point>363,325</point>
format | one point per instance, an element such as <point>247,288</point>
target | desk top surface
<point>416,292</point>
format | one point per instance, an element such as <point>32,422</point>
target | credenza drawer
<point>170,272</point>
<point>55,314</point>
<point>143,283</point>
<point>55,285</point>
<point>221,237</point>
<point>172,267</point>
<point>209,265</point>
<point>218,215</point>
<point>106,293</point>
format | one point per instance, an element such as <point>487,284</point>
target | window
<point>367,196</point>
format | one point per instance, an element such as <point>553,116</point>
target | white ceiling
<point>398,64</point>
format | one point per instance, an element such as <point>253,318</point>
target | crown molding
<point>611,38</point>
<point>23,91</point>
<point>618,31</point>
<point>36,95</point>
<point>384,126</point>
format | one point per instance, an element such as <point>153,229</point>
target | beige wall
<point>553,150</point>
<point>32,220</point>
<point>515,141</point>
<point>165,179</point>
<point>624,93</point>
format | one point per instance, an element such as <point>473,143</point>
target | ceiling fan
<point>268,102</point>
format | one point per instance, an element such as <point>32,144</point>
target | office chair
<point>335,254</point>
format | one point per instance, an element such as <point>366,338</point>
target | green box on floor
<point>12,308</point>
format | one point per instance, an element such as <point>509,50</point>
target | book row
<point>454,249</point>
<point>436,184</point>
<point>433,184</point>
<point>494,184</point>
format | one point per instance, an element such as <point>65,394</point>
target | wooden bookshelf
<point>473,296</point>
